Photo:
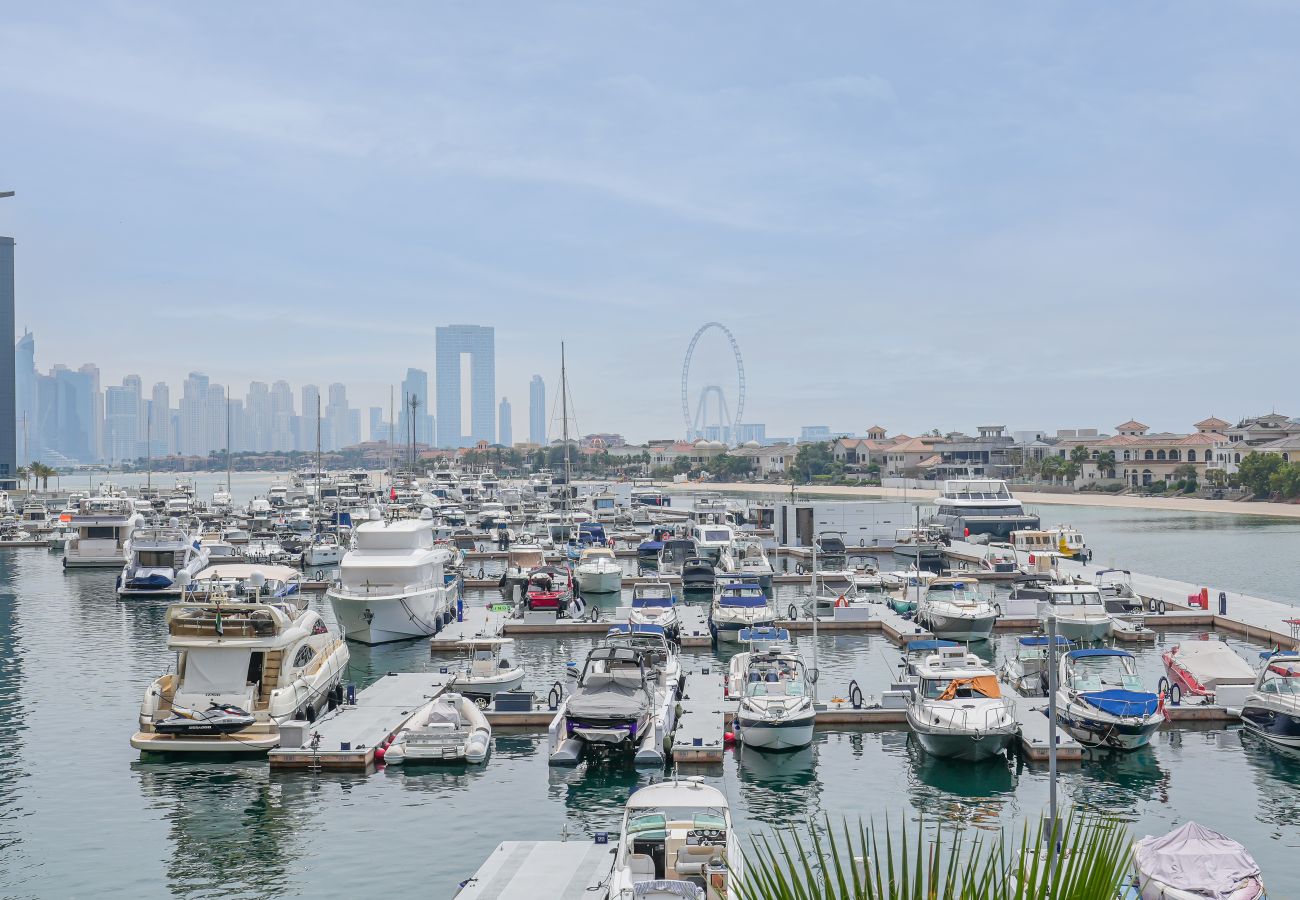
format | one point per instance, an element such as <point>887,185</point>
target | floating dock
<point>527,870</point>
<point>703,720</point>
<point>1034,731</point>
<point>478,622</point>
<point>346,738</point>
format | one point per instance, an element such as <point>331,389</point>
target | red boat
<point>549,588</point>
<point>1199,668</point>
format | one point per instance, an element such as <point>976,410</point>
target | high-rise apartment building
<point>160,420</point>
<point>505,430</point>
<point>194,416</point>
<point>415,385</point>
<point>257,409</point>
<point>25,397</point>
<point>537,410</point>
<point>8,439</point>
<point>282,417</point>
<point>453,344</point>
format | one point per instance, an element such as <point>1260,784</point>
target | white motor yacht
<point>954,609</point>
<point>677,842</point>
<point>598,571</point>
<point>738,605</point>
<point>1080,615</point>
<point>156,556</point>
<point>957,710</point>
<point>967,507</point>
<point>1026,669</point>
<point>1101,700</point>
<point>243,668</point>
<point>773,686</point>
<point>751,560</point>
<point>324,550</point>
<point>103,527</point>
<point>1273,710</point>
<point>653,603</point>
<point>391,583</point>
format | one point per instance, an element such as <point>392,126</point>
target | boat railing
<point>983,718</point>
<point>383,589</point>
<point>225,620</point>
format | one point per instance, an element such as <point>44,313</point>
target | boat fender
<point>798,567</point>
<point>728,738</point>
<point>792,612</point>
<point>855,695</point>
<point>555,696</point>
<point>1160,607</point>
<point>379,754</point>
<point>1175,694</point>
<point>1162,686</point>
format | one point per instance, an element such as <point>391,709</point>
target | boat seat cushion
<point>642,866</point>
<point>692,859</point>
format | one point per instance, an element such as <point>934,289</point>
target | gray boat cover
<point>604,696</point>
<point>1213,663</point>
<point>1194,858</point>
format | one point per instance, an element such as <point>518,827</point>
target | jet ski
<point>220,718</point>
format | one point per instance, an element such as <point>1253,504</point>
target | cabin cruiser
<point>698,572</point>
<point>954,609</point>
<point>625,699</point>
<point>1273,710</point>
<point>738,605</point>
<point>487,669</point>
<point>653,603</point>
<point>221,501</point>
<point>674,553</point>
<point>491,514</point>
<point>243,668</point>
<point>968,507</point>
<point>1101,701</point>
<point>246,582</point>
<point>235,534</point>
<point>1080,615</point>
<point>598,571</point>
<point>1194,863</point>
<point>603,506</point>
<point>392,584</point>
<point>103,527</point>
<point>957,710</point>
<point>266,546</point>
<point>1209,670</point>
<point>775,692</point>
<point>324,550</point>
<point>34,514</point>
<point>521,558</point>
<point>712,540</point>
<point>677,843</point>
<point>751,561</point>
<point>449,728</point>
<point>1026,670</point>
<point>923,545</point>
<point>62,536</point>
<point>156,556</point>
<point>299,520</point>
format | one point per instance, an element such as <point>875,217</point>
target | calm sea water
<point>81,815</point>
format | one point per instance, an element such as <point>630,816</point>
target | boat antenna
<point>564,429</point>
<point>318,490</point>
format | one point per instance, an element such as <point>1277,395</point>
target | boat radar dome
<point>174,522</point>
<point>257,580</point>
<point>426,514</point>
<point>375,515</point>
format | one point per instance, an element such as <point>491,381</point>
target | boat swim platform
<point>702,724</point>
<point>345,738</point>
<point>528,870</point>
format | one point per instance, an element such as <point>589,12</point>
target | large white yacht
<point>103,526</point>
<point>983,506</point>
<point>957,710</point>
<point>391,583</point>
<point>156,555</point>
<point>243,667</point>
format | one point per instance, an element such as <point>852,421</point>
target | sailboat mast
<point>564,428</point>
<point>148,446</point>
<point>227,440</point>
<point>318,495</point>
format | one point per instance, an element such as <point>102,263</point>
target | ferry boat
<point>103,527</point>
<point>391,583</point>
<point>156,557</point>
<point>967,507</point>
<point>243,669</point>
<point>957,710</point>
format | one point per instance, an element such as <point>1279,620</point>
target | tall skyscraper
<point>282,417</point>
<point>416,384</point>
<point>339,418</point>
<point>537,410</point>
<point>505,431</point>
<point>25,397</point>
<point>307,423</point>
<point>378,427</point>
<point>478,342</point>
<point>194,416</point>
<point>65,411</point>
<point>91,371</point>
<point>257,408</point>
<point>8,442</point>
<point>120,421</point>
<point>160,420</point>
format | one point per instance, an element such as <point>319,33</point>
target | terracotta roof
<point>1213,422</point>
<point>911,445</point>
<point>1131,425</point>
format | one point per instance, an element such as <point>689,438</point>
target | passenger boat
<point>1273,710</point>
<point>598,572</point>
<point>487,669</point>
<point>653,603</point>
<point>677,843</point>
<point>772,685</point>
<point>1205,669</point>
<point>449,728</point>
<point>954,609</point>
<point>103,527</point>
<point>155,558</point>
<point>1026,670</point>
<point>1194,863</point>
<point>967,507</point>
<point>324,550</point>
<point>738,605</point>
<point>1101,700</point>
<point>269,660</point>
<point>391,583</point>
<point>625,699</point>
<point>957,710</point>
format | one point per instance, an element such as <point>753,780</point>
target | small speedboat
<point>1201,668</point>
<point>1101,701</point>
<point>654,604</point>
<point>449,728</point>
<point>219,718</point>
<point>598,572</point>
<point>773,686</point>
<point>954,609</point>
<point>1194,863</point>
<point>488,670</point>
<point>1026,670</point>
<point>1273,710</point>
<point>736,606</point>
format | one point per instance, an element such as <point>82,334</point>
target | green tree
<point>1257,469</point>
<point>1216,477</point>
<point>1051,467</point>
<point>1079,455</point>
<point>1106,463</point>
<point>810,461</point>
<point>1286,481</point>
<point>1070,471</point>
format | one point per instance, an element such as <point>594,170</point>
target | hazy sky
<point>911,214</point>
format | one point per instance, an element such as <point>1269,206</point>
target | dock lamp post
<point>1053,839</point>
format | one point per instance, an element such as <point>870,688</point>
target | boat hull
<point>958,628</point>
<point>725,632</point>
<point>1096,731</point>
<point>966,747</point>
<point>1272,725</point>
<point>775,734</point>
<point>383,620</point>
<point>599,582</point>
<point>1084,631</point>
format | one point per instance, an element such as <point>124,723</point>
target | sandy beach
<point>1168,504</point>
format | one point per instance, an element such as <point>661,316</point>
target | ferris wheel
<point>692,421</point>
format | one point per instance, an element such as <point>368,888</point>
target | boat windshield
<point>784,686</point>
<point>1100,672</point>
<point>652,823</point>
<point>1280,678</point>
<point>1082,598</point>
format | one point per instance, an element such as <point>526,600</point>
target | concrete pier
<point>526,870</point>
<point>703,720</point>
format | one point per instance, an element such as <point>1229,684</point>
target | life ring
<point>841,601</point>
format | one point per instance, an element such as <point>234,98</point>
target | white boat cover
<point>1213,663</point>
<point>1195,859</point>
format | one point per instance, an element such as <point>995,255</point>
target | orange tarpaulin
<point>982,684</point>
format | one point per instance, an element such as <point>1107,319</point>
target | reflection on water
<point>594,792</point>
<point>1276,771</point>
<point>12,719</point>
<point>1116,782</point>
<point>956,792</point>
<point>779,786</point>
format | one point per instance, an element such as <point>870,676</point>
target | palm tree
<point>44,473</point>
<point>1051,467</point>
<point>1106,462</point>
<point>1092,860</point>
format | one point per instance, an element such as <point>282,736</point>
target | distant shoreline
<point>1167,504</point>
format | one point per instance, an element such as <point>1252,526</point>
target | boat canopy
<point>929,646</point>
<point>749,600</point>
<point>1196,860</point>
<point>1098,651</point>
<point>1122,703</point>
<point>1042,641</point>
<point>652,547</point>
<point>767,633</point>
<point>981,684</point>
<point>617,630</point>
